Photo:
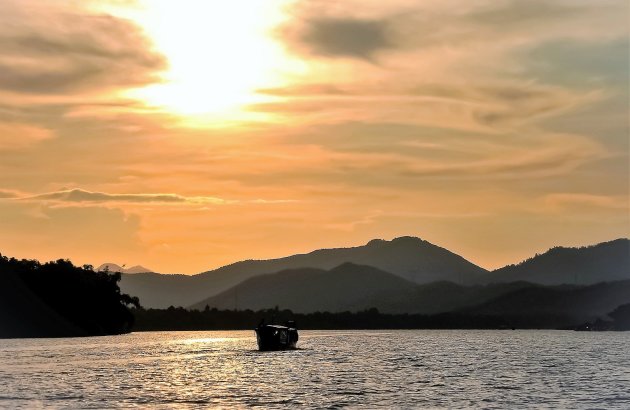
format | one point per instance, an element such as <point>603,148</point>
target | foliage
<point>213,319</point>
<point>60,299</point>
<point>621,317</point>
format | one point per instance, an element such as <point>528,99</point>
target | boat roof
<point>276,326</point>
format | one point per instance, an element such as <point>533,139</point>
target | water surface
<point>332,369</point>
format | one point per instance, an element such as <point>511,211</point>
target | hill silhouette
<point>409,258</point>
<point>607,261</point>
<point>621,317</point>
<point>57,299</point>
<point>518,305</point>
<point>577,303</point>
<point>112,267</point>
<point>350,287</point>
<point>346,287</point>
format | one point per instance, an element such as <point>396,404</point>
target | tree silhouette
<point>60,299</point>
<point>621,317</point>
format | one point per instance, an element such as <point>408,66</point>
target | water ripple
<point>390,369</point>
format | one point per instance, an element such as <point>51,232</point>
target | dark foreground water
<point>332,369</point>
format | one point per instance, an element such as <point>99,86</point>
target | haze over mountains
<point>350,287</point>
<point>386,272</point>
<point>112,267</point>
<point>408,257</point>
<point>576,302</point>
<point>308,291</point>
<point>608,261</point>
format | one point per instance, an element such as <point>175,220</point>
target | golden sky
<point>184,135</point>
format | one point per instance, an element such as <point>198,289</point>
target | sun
<point>218,52</point>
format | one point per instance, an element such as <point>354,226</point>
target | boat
<point>276,337</point>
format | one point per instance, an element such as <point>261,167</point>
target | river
<point>331,369</point>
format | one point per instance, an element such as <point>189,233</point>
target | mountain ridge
<point>355,288</point>
<point>410,258</point>
<point>112,267</point>
<point>583,265</point>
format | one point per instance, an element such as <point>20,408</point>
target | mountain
<point>346,287</point>
<point>137,269</point>
<point>112,267</point>
<point>577,303</point>
<point>350,287</point>
<point>356,288</point>
<point>621,317</point>
<point>410,258</point>
<point>607,261</point>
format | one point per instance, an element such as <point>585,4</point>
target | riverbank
<point>175,319</point>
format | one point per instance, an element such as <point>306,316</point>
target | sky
<point>185,135</point>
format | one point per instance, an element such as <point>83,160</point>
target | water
<point>332,369</point>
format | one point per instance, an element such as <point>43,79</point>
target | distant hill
<point>580,303</point>
<point>356,288</point>
<point>607,261</point>
<point>621,317</point>
<point>409,258</point>
<point>350,287</point>
<point>112,267</point>
<point>347,287</point>
<point>157,290</point>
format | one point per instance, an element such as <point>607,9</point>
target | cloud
<point>446,39</point>
<point>504,92</point>
<point>7,193</point>
<point>541,156</point>
<point>512,12</point>
<point>531,165</point>
<point>80,195</point>
<point>489,107</point>
<point>583,64</point>
<point>49,49</point>
<point>395,155</point>
<point>86,235</point>
<point>564,201</point>
<point>306,90</point>
<point>15,136</point>
<point>337,37</point>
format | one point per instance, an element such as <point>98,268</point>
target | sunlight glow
<point>218,52</point>
<point>205,340</point>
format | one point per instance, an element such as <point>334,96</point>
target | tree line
<point>214,319</point>
<point>56,299</point>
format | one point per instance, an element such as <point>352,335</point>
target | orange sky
<point>186,135</point>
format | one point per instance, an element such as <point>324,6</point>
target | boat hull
<point>273,337</point>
